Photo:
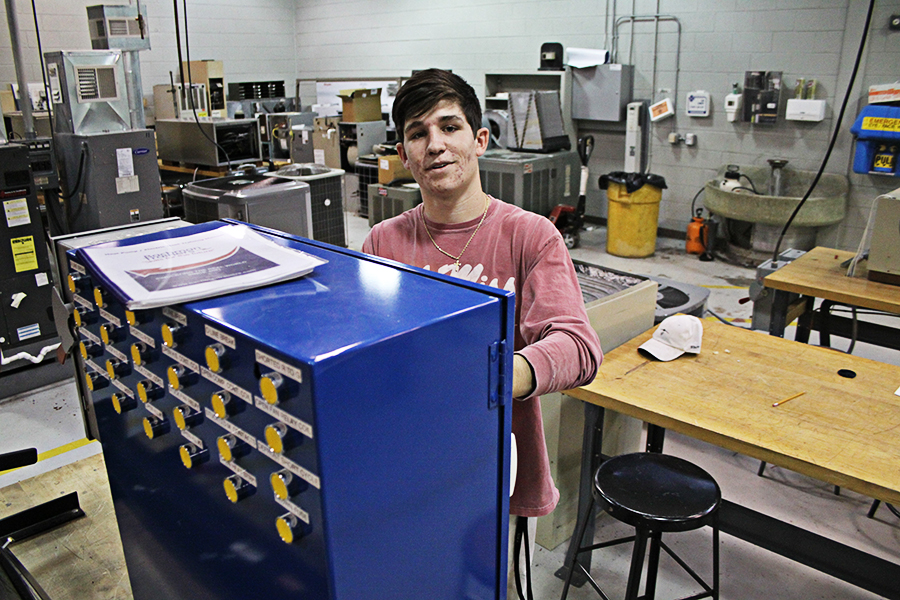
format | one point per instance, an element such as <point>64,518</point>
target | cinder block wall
<point>720,40</point>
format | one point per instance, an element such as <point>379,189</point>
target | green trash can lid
<point>632,181</point>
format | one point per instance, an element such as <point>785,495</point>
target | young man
<point>460,230</point>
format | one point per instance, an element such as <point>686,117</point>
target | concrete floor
<point>49,418</point>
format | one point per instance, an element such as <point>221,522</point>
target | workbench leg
<point>780,301</point>
<point>656,436</point>
<point>805,323</point>
<point>591,447</point>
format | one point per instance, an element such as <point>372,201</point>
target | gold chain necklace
<point>442,251</point>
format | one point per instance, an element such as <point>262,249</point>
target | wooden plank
<point>842,431</point>
<point>819,273</point>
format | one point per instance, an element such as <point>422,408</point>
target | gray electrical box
<point>113,178</point>
<point>601,93</point>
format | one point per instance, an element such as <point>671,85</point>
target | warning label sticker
<point>24,255</point>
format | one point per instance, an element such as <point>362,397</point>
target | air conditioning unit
<point>88,92</point>
<point>326,186</point>
<point>386,201</point>
<point>535,182</point>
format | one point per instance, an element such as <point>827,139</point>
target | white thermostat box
<point>805,110</point>
<point>697,104</point>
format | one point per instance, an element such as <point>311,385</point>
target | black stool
<point>656,494</point>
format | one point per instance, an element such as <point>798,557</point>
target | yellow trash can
<point>633,213</point>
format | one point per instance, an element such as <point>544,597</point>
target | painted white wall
<point>360,39</point>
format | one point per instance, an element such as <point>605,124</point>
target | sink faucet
<point>775,180</point>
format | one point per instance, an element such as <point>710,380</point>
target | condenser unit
<point>535,182</point>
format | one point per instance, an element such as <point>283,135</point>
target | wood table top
<point>842,431</point>
<point>819,273</point>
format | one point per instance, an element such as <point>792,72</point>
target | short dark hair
<point>425,89</point>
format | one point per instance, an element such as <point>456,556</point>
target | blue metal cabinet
<point>380,385</point>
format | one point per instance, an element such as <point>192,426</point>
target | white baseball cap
<point>675,336</point>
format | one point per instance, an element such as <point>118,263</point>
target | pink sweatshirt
<point>518,251</point>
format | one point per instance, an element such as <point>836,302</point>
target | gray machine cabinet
<point>601,93</point>
<point>119,182</point>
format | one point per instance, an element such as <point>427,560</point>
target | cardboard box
<point>361,105</point>
<point>326,142</point>
<point>390,168</point>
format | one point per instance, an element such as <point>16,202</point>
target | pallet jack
<point>570,219</point>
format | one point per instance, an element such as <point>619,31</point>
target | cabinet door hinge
<point>497,380</point>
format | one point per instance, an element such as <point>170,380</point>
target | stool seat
<point>654,493</point>
<point>658,492</point>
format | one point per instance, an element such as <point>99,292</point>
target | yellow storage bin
<point>632,216</point>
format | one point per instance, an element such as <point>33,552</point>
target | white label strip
<point>111,317</point>
<point>232,428</point>
<point>186,399</point>
<point>181,358</point>
<point>285,417</point>
<point>149,375</point>
<point>192,438</point>
<point>96,368</point>
<point>239,471</point>
<point>90,336</point>
<point>83,301</point>
<point>147,339</point>
<point>220,337</point>
<point>117,353</point>
<point>174,315</point>
<point>293,509</point>
<point>155,411</point>
<point>227,385</point>
<point>278,365</point>
<point>123,387</point>
<point>290,465</point>
<point>77,267</point>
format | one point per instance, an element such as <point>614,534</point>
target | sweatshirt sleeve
<point>559,342</point>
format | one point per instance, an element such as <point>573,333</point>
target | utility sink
<point>826,206</point>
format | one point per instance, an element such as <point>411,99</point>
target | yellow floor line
<point>56,452</point>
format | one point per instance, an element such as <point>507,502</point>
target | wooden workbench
<point>845,431</point>
<point>842,431</point>
<point>819,274</point>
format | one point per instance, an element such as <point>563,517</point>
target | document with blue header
<point>211,262</point>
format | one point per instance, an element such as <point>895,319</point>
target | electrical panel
<point>309,439</point>
<point>25,279</point>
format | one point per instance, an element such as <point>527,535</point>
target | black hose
<point>837,128</point>
<point>190,89</point>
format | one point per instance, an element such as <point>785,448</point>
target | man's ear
<point>403,158</point>
<point>482,138</point>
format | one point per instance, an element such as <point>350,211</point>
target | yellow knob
<point>275,434</point>
<point>236,488</point>
<point>269,385</point>
<point>71,281</point>
<point>170,334</point>
<point>154,427</point>
<point>226,445</point>
<point>191,455</point>
<point>138,349</point>
<point>185,416</point>
<point>131,317</point>
<point>113,367</point>
<point>82,347</point>
<point>89,379</point>
<point>147,391</point>
<point>108,333</point>
<point>285,524</point>
<point>117,402</point>
<point>281,483</point>
<point>99,297</point>
<point>221,403</point>
<point>214,353</point>
<point>76,314</point>
<point>174,374</point>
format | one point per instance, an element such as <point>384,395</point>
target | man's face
<point>441,151</point>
